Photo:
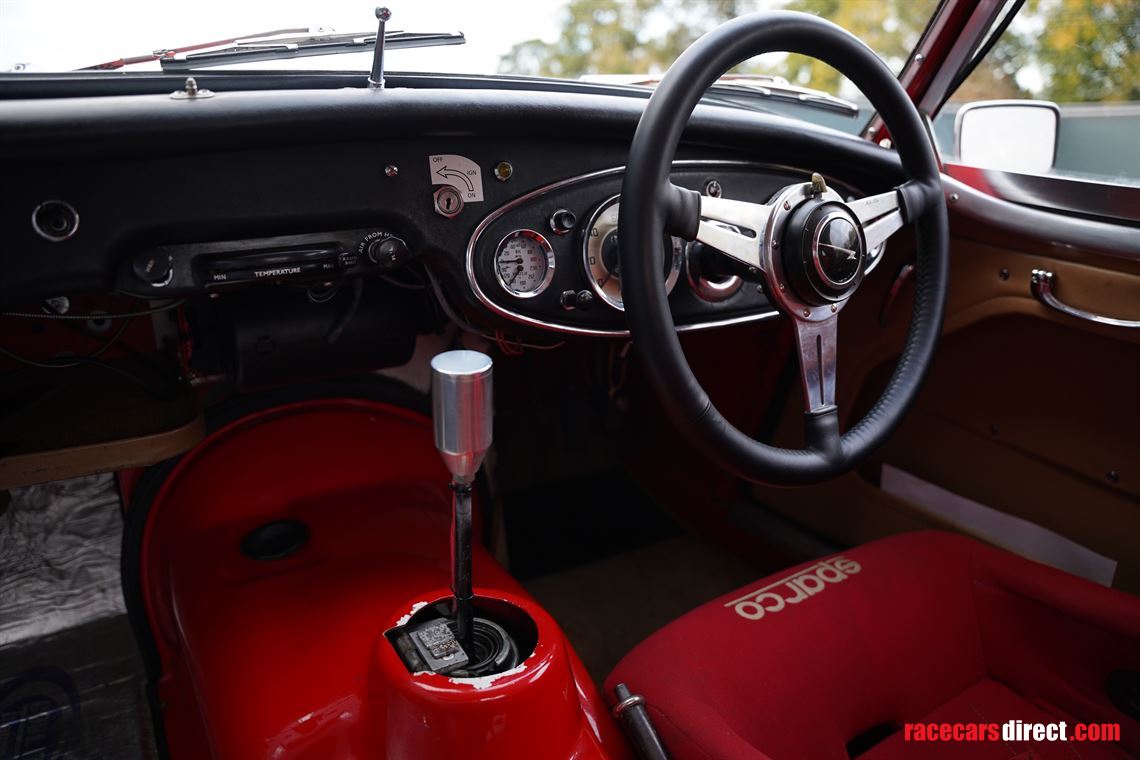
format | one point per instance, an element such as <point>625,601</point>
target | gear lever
<point>462,413</point>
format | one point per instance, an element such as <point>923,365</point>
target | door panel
<point>1026,410</point>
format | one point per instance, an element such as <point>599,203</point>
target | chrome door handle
<point>1041,284</point>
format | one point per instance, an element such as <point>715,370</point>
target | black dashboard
<point>504,201</point>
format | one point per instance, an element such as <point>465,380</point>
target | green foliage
<point>1089,50</point>
<point>889,27</point>
<point>1062,50</point>
<point>1067,51</point>
<point>646,36</point>
<point>619,37</point>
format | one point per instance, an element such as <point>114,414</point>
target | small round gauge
<point>524,263</point>
<point>600,255</point>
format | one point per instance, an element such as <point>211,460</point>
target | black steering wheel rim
<point>650,205</point>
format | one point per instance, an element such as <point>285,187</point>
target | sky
<point>60,35</point>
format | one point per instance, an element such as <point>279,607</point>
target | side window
<point>1078,60</point>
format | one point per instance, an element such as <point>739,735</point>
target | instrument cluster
<point>549,259</point>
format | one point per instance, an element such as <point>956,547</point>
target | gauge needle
<point>851,255</point>
<point>516,274</point>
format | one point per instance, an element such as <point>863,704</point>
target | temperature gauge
<point>524,263</point>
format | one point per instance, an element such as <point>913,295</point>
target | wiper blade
<point>761,85</point>
<point>280,48</point>
<point>279,45</point>
<point>774,87</point>
<point>156,55</point>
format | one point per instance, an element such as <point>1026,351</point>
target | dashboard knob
<point>584,300</point>
<point>153,268</point>
<point>562,221</point>
<point>389,252</point>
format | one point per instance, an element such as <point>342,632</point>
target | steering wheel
<point>810,246</point>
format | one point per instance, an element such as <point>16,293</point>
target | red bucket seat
<point>831,659</point>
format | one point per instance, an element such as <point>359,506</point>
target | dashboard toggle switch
<point>562,221</point>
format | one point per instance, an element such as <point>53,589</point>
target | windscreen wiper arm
<point>304,46</point>
<point>277,45</point>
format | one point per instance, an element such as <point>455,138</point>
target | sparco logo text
<point>794,589</point>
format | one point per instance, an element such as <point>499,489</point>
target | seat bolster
<point>702,733</point>
<point>1054,638</point>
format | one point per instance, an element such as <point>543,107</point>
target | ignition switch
<point>448,202</point>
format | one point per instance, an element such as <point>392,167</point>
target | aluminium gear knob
<point>462,411</point>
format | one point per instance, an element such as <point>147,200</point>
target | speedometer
<point>524,263</point>
<point>600,255</point>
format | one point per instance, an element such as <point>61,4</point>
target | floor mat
<point>607,607</point>
<point>563,525</point>
<point>77,694</point>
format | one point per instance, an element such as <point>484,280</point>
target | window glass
<point>1082,55</point>
<point>616,41</point>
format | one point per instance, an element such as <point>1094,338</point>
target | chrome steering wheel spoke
<point>747,217</point>
<point>885,214</point>
<point>817,348</point>
<point>880,215</point>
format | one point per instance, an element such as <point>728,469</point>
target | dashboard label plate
<point>460,172</point>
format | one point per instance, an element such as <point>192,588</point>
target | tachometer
<point>524,263</point>
<point>600,255</point>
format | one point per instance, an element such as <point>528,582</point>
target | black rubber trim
<point>682,209</point>
<point>371,388</point>
<point>821,432</point>
<point>916,197</point>
<point>642,218</point>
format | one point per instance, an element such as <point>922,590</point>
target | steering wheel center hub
<point>836,250</point>
<point>824,252</point>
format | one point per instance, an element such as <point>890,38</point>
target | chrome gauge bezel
<point>547,249</point>
<point>712,291</point>
<point>597,287</point>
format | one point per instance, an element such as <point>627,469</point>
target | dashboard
<point>504,204</point>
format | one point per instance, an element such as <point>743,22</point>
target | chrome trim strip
<point>1041,284</point>
<point>510,205</point>
<point>48,236</point>
<point>1104,199</point>
<point>1058,230</point>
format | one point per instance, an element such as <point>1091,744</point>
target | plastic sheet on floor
<point>59,557</point>
<point>71,679</point>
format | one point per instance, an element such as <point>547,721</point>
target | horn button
<point>824,252</point>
